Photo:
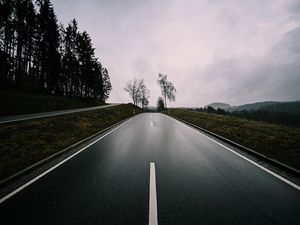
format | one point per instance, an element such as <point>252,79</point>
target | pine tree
<point>86,58</point>
<point>20,21</point>
<point>37,55</point>
<point>69,61</point>
<point>106,85</point>
<point>48,59</point>
<point>6,42</point>
<point>30,41</point>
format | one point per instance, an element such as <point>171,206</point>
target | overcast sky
<point>233,51</point>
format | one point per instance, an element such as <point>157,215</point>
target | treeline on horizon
<point>38,56</point>
<point>277,117</point>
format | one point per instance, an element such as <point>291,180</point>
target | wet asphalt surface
<point>198,182</point>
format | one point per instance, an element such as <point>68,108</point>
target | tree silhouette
<point>7,39</point>
<point>138,92</point>
<point>160,104</point>
<point>106,85</point>
<point>143,96</point>
<point>46,46</point>
<point>39,56</point>
<point>133,88</point>
<point>86,60</point>
<point>69,60</point>
<point>167,88</point>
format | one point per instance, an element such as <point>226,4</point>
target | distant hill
<point>220,105</point>
<point>255,106</point>
<point>288,107</point>
<point>274,106</point>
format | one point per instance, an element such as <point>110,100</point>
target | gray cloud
<point>273,76</point>
<point>231,51</point>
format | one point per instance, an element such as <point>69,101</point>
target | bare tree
<point>167,88</point>
<point>144,96</point>
<point>138,92</point>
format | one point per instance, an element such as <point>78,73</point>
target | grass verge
<point>17,104</point>
<point>25,143</point>
<point>275,141</point>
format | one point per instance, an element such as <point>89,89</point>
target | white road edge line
<point>57,165</point>
<point>57,113</point>
<point>152,196</point>
<point>249,160</point>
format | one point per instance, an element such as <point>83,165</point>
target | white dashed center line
<point>152,197</point>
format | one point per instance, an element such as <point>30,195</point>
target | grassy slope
<point>275,141</point>
<point>27,142</point>
<point>16,103</point>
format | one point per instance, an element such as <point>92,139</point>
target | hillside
<point>255,106</point>
<point>248,107</point>
<point>288,107</point>
<point>271,106</point>
<point>220,105</point>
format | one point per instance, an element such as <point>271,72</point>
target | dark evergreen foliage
<point>160,104</point>
<point>39,56</point>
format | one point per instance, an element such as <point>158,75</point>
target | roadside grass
<point>27,142</point>
<point>275,141</point>
<point>13,103</point>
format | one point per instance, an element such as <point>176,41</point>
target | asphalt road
<point>10,119</point>
<point>197,182</point>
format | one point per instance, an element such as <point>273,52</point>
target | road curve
<point>16,118</point>
<point>197,182</point>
